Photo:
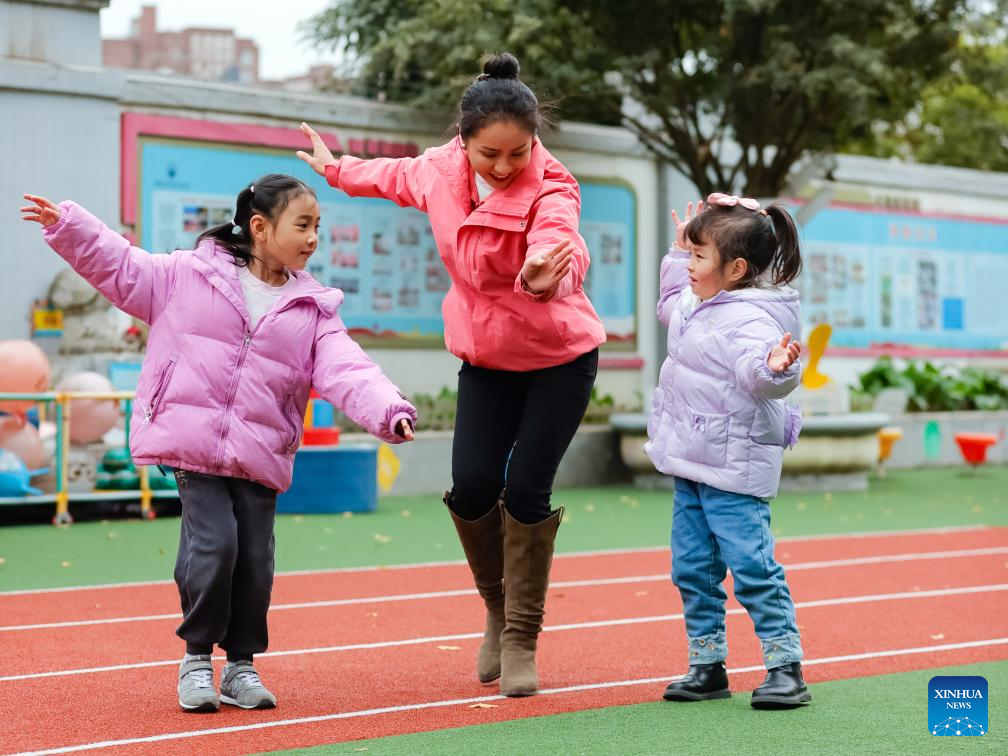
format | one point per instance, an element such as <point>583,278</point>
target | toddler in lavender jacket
<point>719,424</point>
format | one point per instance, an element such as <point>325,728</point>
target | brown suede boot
<point>528,555</point>
<point>483,544</point>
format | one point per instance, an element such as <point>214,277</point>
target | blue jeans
<point>714,531</point>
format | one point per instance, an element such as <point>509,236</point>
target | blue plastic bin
<point>340,478</point>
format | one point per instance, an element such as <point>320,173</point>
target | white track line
<point>629,580</point>
<point>841,601</point>
<point>568,554</point>
<point>168,736</point>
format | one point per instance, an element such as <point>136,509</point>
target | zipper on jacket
<point>289,417</point>
<point>232,390</point>
<point>242,354</point>
<point>159,390</point>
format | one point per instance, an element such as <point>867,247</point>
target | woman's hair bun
<point>501,66</point>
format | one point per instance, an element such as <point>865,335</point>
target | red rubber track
<point>102,706</point>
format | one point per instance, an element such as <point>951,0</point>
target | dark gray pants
<point>224,569</point>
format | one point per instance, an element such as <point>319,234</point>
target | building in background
<point>210,54</point>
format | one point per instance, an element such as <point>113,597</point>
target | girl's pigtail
<point>787,263</point>
<point>235,236</point>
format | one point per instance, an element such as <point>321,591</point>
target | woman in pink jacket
<point>504,213</point>
<point>239,335</point>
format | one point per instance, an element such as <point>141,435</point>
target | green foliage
<point>934,389</point>
<point>437,412</point>
<point>426,52</point>
<point>961,118</point>
<point>780,78</point>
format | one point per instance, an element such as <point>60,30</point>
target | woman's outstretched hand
<point>680,225</point>
<point>542,273</point>
<point>783,355</point>
<point>321,155</point>
<point>404,430</point>
<point>43,211</point>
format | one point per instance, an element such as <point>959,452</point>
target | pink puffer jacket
<point>214,395</point>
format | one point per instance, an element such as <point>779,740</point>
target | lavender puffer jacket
<point>718,415</point>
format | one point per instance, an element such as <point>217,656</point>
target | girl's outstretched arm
<point>132,279</point>
<point>767,366</point>
<point>346,377</point>
<point>396,179</point>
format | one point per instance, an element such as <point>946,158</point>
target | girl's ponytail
<point>268,196</point>
<point>786,263</point>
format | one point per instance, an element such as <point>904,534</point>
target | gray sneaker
<point>241,686</point>
<point>196,686</point>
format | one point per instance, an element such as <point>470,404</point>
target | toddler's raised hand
<point>43,211</point>
<point>783,355</point>
<point>680,225</point>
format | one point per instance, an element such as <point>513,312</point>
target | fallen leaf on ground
<point>449,648</point>
<point>382,538</point>
<point>482,706</point>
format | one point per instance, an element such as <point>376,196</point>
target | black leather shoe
<point>783,688</point>
<point>703,682</point>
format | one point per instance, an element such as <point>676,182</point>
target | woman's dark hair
<point>267,196</point>
<point>498,95</point>
<point>764,241</point>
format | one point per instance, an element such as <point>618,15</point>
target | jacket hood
<point>217,264</point>
<point>780,302</point>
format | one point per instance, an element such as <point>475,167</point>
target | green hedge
<point>931,388</point>
<point>437,412</point>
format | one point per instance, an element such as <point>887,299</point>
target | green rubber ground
<point>417,529</point>
<point>869,715</point>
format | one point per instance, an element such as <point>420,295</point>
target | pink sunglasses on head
<point>730,200</point>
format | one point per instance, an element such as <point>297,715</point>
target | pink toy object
<point>24,369</point>
<point>23,441</point>
<point>90,419</point>
<point>974,446</point>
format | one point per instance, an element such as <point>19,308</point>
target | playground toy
<point>320,427</point>
<point>974,446</point>
<point>15,477</point>
<point>24,368</point>
<point>93,418</point>
<point>887,436</point>
<point>63,411</point>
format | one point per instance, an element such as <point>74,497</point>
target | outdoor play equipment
<point>93,418</point>
<point>887,436</point>
<point>320,427</point>
<point>63,404</point>
<point>974,446</point>
<point>23,368</point>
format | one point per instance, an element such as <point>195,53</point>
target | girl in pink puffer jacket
<point>719,424</point>
<point>239,335</point>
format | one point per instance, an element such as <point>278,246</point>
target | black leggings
<point>511,431</point>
